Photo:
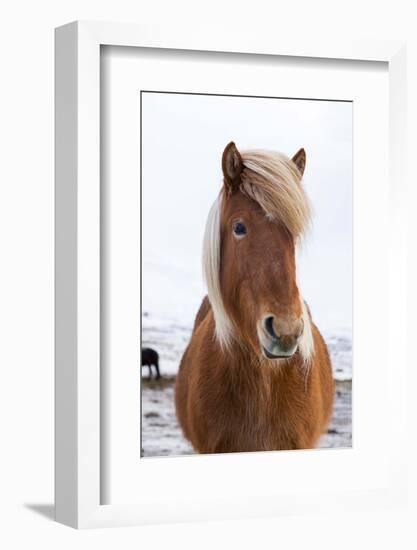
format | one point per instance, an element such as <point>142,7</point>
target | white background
<point>26,218</point>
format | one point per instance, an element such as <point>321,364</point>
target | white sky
<point>183,137</point>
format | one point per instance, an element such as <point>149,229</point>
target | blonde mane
<point>273,181</point>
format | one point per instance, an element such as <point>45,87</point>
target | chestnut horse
<point>256,375</point>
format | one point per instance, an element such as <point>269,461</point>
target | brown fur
<point>235,399</point>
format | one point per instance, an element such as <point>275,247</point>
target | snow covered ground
<point>170,337</point>
<point>161,434</point>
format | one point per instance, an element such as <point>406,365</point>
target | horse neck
<point>240,361</point>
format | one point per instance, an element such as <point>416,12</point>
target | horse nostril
<point>269,327</point>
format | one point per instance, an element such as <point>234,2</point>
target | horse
<point>151,358</point>
<point>256,374</point>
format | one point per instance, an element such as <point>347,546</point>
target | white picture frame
<point>78,411</point>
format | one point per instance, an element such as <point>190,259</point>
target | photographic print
<point>246,273</point>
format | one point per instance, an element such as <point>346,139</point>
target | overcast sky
<point>183,137</point>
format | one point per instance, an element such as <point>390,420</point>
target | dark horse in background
<point>150,358</point>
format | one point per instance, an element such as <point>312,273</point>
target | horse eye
<point>239,229</point>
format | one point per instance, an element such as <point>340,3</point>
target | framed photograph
<point>230,341</point>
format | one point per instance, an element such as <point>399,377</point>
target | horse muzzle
<point>279,337</point>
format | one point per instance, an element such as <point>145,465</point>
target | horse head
<point>249,253</point>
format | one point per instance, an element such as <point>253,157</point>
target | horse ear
<point>232,166</point>
<point>299,159</point>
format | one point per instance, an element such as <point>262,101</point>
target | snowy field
<point>161,434</point>
<point>169,337</point>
